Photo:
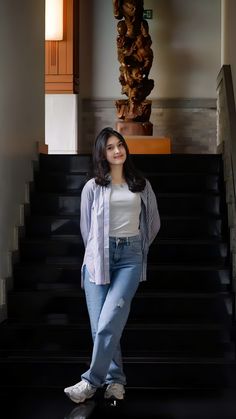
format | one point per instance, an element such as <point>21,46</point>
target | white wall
<point>187,47</point>
<point>229,36</point>
<point>61,123</point>
<point>86,62</point>
<point>186,37</point>
<point>21,111</point>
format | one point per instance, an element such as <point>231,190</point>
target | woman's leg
<point>95,297</point>
<point>133,253</point>
<point>115,372</point>
<point>125,267</point>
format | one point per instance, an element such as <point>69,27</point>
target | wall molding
<point>191,103</point>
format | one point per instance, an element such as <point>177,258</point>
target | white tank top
<point>125,208</point>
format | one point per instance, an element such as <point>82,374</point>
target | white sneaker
<point>80,391</point>
<point>115,390</point>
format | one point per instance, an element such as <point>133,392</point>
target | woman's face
<point>115,151</point>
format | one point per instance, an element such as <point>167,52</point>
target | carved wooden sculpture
<point>135,56</point>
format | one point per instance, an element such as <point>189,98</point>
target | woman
<point>119,220</point>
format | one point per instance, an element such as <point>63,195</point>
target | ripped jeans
<point>109,307</point>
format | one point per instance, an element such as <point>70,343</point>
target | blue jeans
<point>109,307</point>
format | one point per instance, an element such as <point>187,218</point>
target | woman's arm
<point>153,217</point>
<point>85,210</point>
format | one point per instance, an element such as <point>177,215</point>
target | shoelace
<point>82,385</point>
<point>116,387</point>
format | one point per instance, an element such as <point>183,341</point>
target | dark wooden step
<point>211,163</point>
<point>177,278</point>
<point>161,182</point>
<point>46,203</point>
<point>65,163</point>
<point>157,340</point>
<point>52,203</point>
<point>197,163</point>
<point>162,251</point>
<point>184,182</point>
<point>192,227</point>
<point>188,252</point>
<point>189,204</point>
<point>141,372</point>
<point>69,306</point>
<point>59,182</point>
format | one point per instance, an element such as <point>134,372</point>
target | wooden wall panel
<point>61,57</point>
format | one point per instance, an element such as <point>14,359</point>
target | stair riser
<point>192,183</point>
<point>177,163</point>
<point>191,228</point>
<point>162,183</point>
<point>47,226</point>
<point>187,279</point>
<point>199,205</point>
<point>51,204</point>
<point>58,307</point>
<point>78,342</point>
<point>59,182</point>
<point>44,226</point>
<point>188,253</point>
<point>164,163</point>
<point>46,277</point>
<point>158,254</point>
<point>67,163</point>
<point>159,375</point>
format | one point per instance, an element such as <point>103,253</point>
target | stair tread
<point>126,359</point>
<point>162,240</point>
<point>57,173</point>
<point>166,217</point>
<point>83,325</point>
<point>160,194</point>
<point>151,267</point>
<point>147,173</point>
<point>139,294</point>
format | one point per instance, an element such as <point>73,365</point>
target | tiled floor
<point>142,404</point>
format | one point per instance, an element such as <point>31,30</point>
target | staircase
<point>179,333</point>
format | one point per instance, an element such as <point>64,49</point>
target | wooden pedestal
<point>139,144</point>
<point>134,128</point>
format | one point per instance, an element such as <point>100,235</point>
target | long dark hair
<point>135,180</point>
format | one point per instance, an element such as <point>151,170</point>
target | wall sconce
<point>53,20</point>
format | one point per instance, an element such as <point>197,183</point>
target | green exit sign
<point>147,14</point>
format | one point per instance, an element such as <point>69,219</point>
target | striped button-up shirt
<point>94,227</point>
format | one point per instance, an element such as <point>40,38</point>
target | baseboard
<point>3,313</point>
<point>3,308</point>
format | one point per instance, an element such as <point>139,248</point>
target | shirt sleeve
<point>153,217</point>
<point>85,210</point>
